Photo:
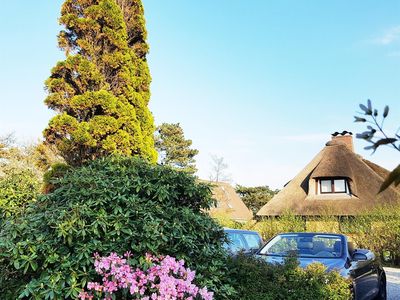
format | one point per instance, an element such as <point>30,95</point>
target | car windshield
<point>304,245</point>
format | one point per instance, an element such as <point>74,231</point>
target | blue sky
<point>261,83</point>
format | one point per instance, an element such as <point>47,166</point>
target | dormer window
<point>333,186</point>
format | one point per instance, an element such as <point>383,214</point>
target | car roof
<point>313,233</point>
<point>240,230</point>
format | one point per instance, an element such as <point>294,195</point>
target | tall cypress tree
<point>101,90</point>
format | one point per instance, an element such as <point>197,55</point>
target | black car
<point>239,240</point>
<point>336,253</point>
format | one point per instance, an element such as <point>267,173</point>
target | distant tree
<point>44,156</point>
<point>376,136</point>
<point>255,197</point>
<point>5,142</point>
<point>7,147</point>
<point>39,157</point>
<point>174,150</point>
<point>19,185</point>
<point>20,179</point>
<point>101,90</point>
<point>218,169</point>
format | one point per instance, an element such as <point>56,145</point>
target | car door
<point>365,278</point>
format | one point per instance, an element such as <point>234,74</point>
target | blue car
<point>239,240</point>
<point>336,253</point>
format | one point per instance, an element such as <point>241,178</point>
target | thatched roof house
<point>336,182</point>
<point>229,203</point>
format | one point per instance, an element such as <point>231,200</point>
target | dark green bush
<point>113,204</point>
<point>52,176</point>
<point>254,279</point>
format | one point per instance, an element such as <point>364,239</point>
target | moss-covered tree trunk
<point>101,90</point>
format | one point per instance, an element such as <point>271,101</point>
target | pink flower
<point>165,279</point>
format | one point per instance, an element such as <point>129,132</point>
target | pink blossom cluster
<point>165,279</point>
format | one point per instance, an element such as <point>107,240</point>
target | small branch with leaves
<point>376,136</point>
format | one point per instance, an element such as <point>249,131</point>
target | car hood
<point>330,263</point>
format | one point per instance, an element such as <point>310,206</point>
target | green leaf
<point>16,264</point>
<point>33,265</point>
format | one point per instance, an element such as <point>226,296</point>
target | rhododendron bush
<point>110,205</point>
<point>162,278</point>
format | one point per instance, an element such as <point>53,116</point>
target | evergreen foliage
<point>101,90</point>
<point>110,205</point>
<point>133,13</point>
<point>174,149</point>
<point>255,197</point>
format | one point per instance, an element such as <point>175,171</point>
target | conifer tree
<point>101,90</point>
<point>174,149</point>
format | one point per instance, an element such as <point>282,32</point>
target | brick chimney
<point>345,137</point>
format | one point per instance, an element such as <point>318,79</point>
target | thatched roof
<point>336,159</point>
<point>229,203</point>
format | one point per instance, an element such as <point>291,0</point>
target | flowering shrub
<point>110,205</point>
<point>162,278</point>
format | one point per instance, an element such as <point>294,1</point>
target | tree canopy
<point>255,197</point>
<point>174,149</point>
<point>101,90</point>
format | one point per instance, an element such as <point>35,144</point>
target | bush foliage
<point>110,205</point>
<point>18,187</point>
<point>254,279</point>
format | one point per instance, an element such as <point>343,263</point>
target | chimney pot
<point>345,137</point>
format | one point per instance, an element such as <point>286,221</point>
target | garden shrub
<point>379,231</point>
<point>18,187</point>
<point>110,205</point>
<point>288,222</point>
<point>52,176</point>
<point>225,220</point>
<point>254,279</point>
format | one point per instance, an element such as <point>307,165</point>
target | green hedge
<point>254,279</point>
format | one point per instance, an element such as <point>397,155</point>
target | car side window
<point>236,242</point>
<point>253,240</point>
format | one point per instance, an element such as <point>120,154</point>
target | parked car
<point>242,240</point>
<point>336,252</point>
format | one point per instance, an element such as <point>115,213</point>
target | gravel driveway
<point>393,283</point>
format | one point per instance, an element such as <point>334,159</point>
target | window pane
<point>326,186</point>
<point>253,240</point>
<point>235,242</point>
<point>340,185</point>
